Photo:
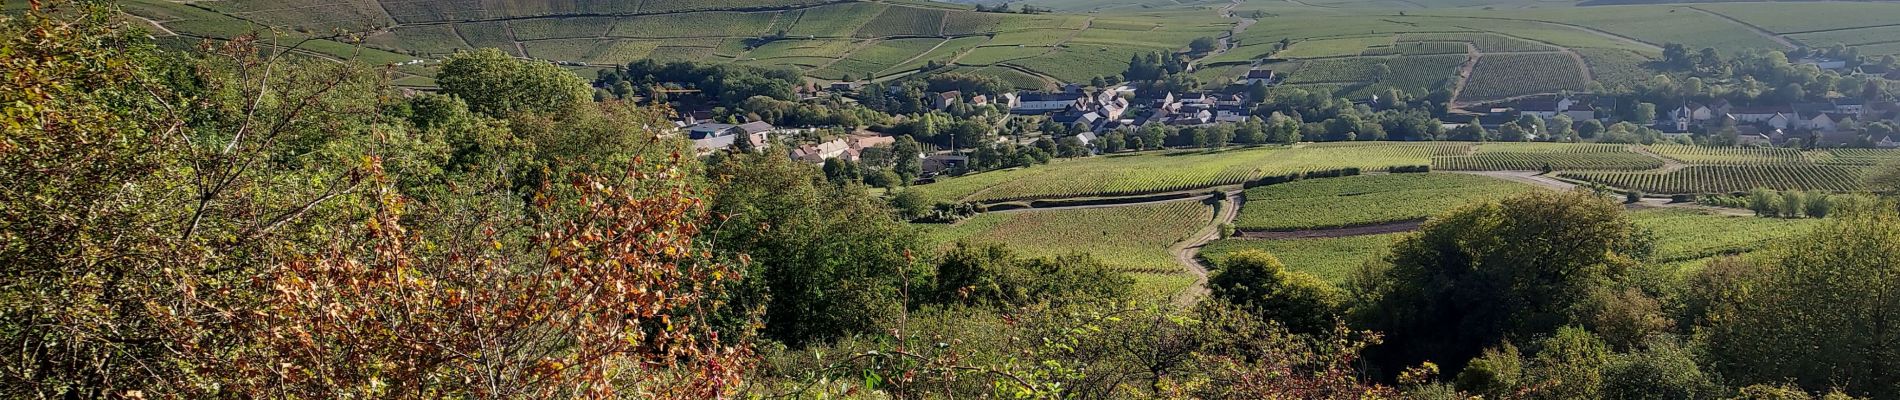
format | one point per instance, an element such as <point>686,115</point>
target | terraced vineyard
<point>1366,200</point>
<point>1728,179</point>
<point>1557,156</point>
<point>1134,239</point>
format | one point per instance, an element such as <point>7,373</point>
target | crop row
<point>1728,155</point>
<point>1622,161</point>
<point>1507,75</point>
<point>1727,179</point>
<point>1366,200</point>
<point>1133,238</point>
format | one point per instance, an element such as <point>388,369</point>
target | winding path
<point>1187,251</point>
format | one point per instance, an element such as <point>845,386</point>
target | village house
<point>944,100</point>
<point>818,153</point>
<point>1044,103</point>
<point>1888,142</point>
<point>1260,77</point>
<point>845,86</point>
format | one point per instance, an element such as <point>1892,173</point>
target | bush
<point>1408,169</point>
<point>1256,281</point>
<point>1632,196</point>
<point>1683,198</point>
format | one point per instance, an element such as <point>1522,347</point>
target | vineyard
<point>1728,155</point>
<point>1556,156</point>
<point>1134,239</point>
<point>1506,75</point>
<point>1330,259</point>
<point>1174,171</point>
<point>1366,200</point>
<point>1728,179</point>
<point>1683,235</point>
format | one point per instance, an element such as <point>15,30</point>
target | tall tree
<point>1510,270</point>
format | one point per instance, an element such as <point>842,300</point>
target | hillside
<point>826,39</point>
<point>1472,51</point>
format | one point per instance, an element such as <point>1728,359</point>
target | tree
<point>1590,129</point>
<point>907,159</point>
<point>1202,44</point>
<point>1643,114</point>
<point>495,84</point>
<point>1491,272</point>
<point>994,275</point>
<point>1816,314</point>
<point>1257,281</point>
<point>826,276</point>
<point>1561,128</point>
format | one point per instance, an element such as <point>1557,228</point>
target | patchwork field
<point>1340,42</point>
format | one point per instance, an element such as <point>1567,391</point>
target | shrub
<point>1632,196</point>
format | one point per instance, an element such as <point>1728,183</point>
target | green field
<point>1366,200</point>
<point>1557,156</point>
<point>1503,76</point>
<point>1683,235</point>
<point>1171,171</point>
<point>1330,259</point>
<point>1340,41</point>
<point>1134,239</point>
<point>1729,179</point>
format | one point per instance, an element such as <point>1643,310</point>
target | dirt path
<point>512,37</point>
<point>1380,229</point>
<point>1784,42</point>
<point>155,24</point>
<point>1669,164</point>
<point>1107,205</point>
<point>1464,73</point>
<point>1187,251</point>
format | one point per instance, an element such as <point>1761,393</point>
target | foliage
<point>245,223</point>
<point>495,84</point>
<point>1256,281</point>
<point>993,275</point>
<point>813,274</point>
<point>1811,316</point>
<point>1496,271</point>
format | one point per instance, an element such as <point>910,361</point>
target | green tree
<point>1202,44</point>
<point>1257,281</point>
<point>994,275</point>
<point>1818,313</point>
<point>495,84</point>
<point>825,260</point>
<point>1484,273</point>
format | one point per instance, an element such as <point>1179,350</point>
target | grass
<point>1366,200</point>
<point>1035,37</point>
<point>1507,75</point>
<point>1330,259</point>
<point>426,39</point>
